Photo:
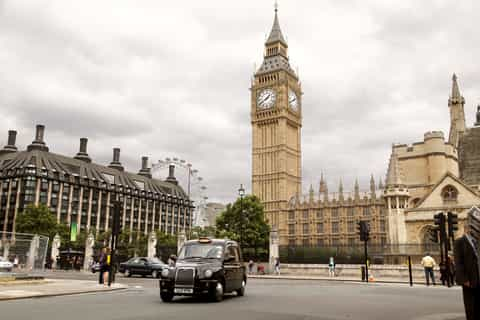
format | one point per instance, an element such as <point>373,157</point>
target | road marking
<point>442,316</point>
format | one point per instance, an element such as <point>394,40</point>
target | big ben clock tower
<point>276,117</point>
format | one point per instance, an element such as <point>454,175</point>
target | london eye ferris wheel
<point>190,179</point>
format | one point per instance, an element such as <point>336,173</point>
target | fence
<point>378,254</point>
<point>28,251</point>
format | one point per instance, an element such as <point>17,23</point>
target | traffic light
<point>452,220</point>
<point>364,230</point>
<point>116,218</point>
<point>433,235</point>
<point>439,219</point>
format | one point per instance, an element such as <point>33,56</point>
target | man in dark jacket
<point>103,263</point>
<point>467,263</point>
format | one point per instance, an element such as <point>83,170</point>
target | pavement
<point>51,287</point>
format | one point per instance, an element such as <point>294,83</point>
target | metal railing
<point>28,252</point>
<point>378,254</point>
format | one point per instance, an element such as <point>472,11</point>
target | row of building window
<point>335,227</point>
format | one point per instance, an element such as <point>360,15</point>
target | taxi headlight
<point>165,273</point>
<point>208,273</point>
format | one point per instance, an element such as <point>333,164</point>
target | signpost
<point>114,240</point>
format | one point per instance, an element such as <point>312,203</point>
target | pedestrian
<point>451,270</point>
<point>108,267</point>
<point>15,262</point>
<point>331,267</point>
<point>428,264</point>
<point>172,260</point>
<point>443,272</point>
<point>277,266</point>
<point>102,261</point>
<point>250,266</point>
<point>467,264</point>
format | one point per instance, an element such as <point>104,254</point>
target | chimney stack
<point>115,164</point>
<point>145,170</point>
<point>171,175</point>
<point>82,153</point>
<point>10,147</point>
<point>38,143</point>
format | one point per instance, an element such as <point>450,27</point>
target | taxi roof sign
<point>204,240</point>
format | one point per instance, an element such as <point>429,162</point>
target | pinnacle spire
<point>323,186</point>
<point>356,189</point>
<point>276,32</point>
<point>393,174</point>
<point>455,90</point>
<point>372,183</point>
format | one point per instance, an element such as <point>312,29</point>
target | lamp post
<point>241,193</point>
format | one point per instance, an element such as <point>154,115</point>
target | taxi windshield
<point>198,250</point>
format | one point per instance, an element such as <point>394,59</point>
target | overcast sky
<point>171,78</point>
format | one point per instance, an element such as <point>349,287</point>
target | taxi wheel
<point>166,296</point>
<point>241,291</point>
<point>217,292</point>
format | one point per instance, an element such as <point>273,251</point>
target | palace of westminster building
<point>422,178</point>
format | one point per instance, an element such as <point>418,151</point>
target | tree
<point>166,245</point>
<point>37,220</point>
<point>249,227</point>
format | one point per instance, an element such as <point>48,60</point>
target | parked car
<point>142,266</point>
<point>95,267</point>
<point>205,266</point>
<point>5,265</point>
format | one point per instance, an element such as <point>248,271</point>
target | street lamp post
<point>241,193</point>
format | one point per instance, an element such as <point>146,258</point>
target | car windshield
<point>201,251</point>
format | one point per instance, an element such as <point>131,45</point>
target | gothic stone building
<point>422,179</point>
<point>78,190</point>
<point>330,219</point>
<point>434,176</point>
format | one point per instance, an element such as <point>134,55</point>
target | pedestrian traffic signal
<point>433,235</point>
<point>452,220</point>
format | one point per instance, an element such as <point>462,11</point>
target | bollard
<point>410,270</point>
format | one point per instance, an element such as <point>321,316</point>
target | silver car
<point>5,265</point>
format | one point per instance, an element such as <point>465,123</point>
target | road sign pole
<point>366,260</point>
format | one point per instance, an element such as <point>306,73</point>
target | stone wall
<point>469,156</point>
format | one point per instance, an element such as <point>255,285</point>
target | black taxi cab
<point>205,266</point>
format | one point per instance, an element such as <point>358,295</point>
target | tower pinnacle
<point>276,32</point>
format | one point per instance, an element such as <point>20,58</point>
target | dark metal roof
<point>73,167</point>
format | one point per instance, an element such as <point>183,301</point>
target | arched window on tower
<point>449,194</point>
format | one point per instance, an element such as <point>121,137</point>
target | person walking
<point>467,264</point>
<point>250,266</point>
<point>277,266</point>
<point>428,264</point>
<point>102,261</point>
<point>331,267</point>
<point>108,267</point>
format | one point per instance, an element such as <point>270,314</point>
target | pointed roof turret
<point>323,186</point>
<point>380,183</point>
<point>356,189</point>
<point>372,187</point>
<point>393,174</point>
<point>456,96</point>
<point>455,90</point>
<point>340,190</point>
<point>311,193</point>
<point>276,32</point>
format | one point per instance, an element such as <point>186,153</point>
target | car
<point>142,266</point>
<point>95,267</point>
<point>205,266</point>
<point>5,265</point>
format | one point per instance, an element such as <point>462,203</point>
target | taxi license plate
<point>183,290</point>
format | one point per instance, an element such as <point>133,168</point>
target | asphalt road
<point>265,299</point>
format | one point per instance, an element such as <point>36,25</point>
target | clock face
<point>292,100</point>
<point>266,99</point>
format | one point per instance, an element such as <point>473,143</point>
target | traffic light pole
<point>114,241</point>
<point>366,259</point>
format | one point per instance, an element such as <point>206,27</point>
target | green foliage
<point>250,227</point>
<point>37,220</point>
<point>165,239</point>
